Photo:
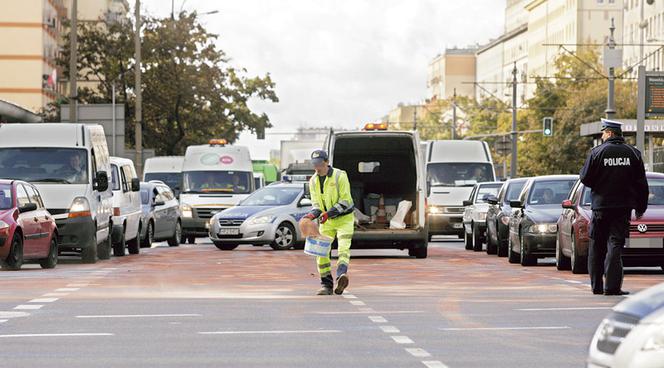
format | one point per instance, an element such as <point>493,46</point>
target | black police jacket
<point>614,171</point>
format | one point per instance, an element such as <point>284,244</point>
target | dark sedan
<point>645,246</point>
<point>498,216</point>
<point>533,225</point>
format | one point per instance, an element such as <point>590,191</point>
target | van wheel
<point>149,236</point>
<point>119,247</point>
<point>512,256</point>
<point>52,259</point>
<point>579,263</point>
<point>477,239</point>
<point>177,236</point>
<point>89,254</point>
<point>468,240</point>
<point>134,245</point>
<point>562,262</point>
<point>526,259</point>
<point>14,259</point>
<point>191,239</point>
<point>418,252</point>
<point>222,246</point>
<point>284,237</point>
<point>104,249</point>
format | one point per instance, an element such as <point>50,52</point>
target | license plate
<point>458,226</point>
<point>229,232</point>
<point>644,243</point>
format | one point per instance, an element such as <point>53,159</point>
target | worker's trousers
<point>342,229</point>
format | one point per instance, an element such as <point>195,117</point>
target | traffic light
<point>547,129</point>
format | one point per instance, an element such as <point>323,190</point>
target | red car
<point>643,248</point>
<point>27,229</point>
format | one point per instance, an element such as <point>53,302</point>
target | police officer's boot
<point>327,285</point>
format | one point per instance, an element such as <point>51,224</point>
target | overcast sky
<point>339,62</point>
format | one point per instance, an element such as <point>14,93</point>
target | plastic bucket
<point>318,246</point>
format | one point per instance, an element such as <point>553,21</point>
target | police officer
<point>614,171</point>
<point>333,207</point>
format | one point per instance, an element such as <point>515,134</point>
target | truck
<point>269,172</point>
<point>296,156</point>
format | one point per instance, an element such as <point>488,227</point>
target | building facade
<point>453,70</point>
<point>643,23</point>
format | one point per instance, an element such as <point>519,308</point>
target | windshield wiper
<point>51,180</point>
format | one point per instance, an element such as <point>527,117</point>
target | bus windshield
<point>232,182</point>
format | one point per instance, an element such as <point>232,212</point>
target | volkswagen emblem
<point>642,228</point>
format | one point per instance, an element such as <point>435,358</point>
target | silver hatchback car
<point>270,215</point>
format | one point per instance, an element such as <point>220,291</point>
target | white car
<point>474,215</point>
<point>126,207</point>
<point>633,334</point>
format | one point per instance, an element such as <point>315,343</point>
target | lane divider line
<point>269,332</point>
<point>418,352</point>
<point>434,364</point>
<point>138,316</point>
<point>43,300</point>
<point>390,329</point>
<point>377,319</point>
<point>67,289</point>
<point>506,328</point>
<point>28,306</point>
<point>58,335</point>
<point>402,339</point>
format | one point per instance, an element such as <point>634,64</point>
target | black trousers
<point>608,230</point>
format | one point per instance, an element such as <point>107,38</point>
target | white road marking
<point>77,285</point>
<point>269,332</point>
<point>55,294</point>
<point>6,315</point>
<point>357,302</point>
<point>58,335</point>
<point>561,309</point>
<point>28,306</point>
<point>140,316</point>
<point>43,300</point>
<point>377,319</point>
<point>434,364</point>
<point>110,268</point>
<point>507,328</point>
<point>3,320</point>
<point>418,353</point>
<point>389,329</point>
<point>574,282</point>
<point>67,289</point>
<point>349,296</point>
<point>402,339</point>
<point>363,312</point>
<point>367,310</point>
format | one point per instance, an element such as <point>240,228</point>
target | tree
<point>190,92</point>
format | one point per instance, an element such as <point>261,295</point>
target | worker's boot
<point>342,279</point>
<point>327,285</point>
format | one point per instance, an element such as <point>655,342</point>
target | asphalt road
<point>195,306</point>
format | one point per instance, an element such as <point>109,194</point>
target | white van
<point>126,207</point>
<point>69,164</point>
<point>453,168</point>
<point>215,177</point>
<point>385,164</point>
<point>167,169</point>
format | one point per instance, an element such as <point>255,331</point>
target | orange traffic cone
<point>380,215</point>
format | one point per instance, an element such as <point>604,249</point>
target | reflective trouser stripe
<point>343,231</point>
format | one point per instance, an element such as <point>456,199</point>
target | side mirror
<point>568,204</point>
<point>304,202</point>
<point>159,203</point>
<point>135,185</point>
<point>100,182</point>
<point>516,204</point>
<point>27,208</point>
<point>467,203</point>
<point>307,191</point>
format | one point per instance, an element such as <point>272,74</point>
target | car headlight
<point>479,216</point>
<point>187,210</point>
<point>656,341</point>
<point>3,225</point>
<point>259,220</point>
<point>435,210</point>
<point>505,220</point>
<point>80,207</point>
<point>543,228</point>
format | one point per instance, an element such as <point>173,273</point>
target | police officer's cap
<point>318,157</point>
<point>611,124</point>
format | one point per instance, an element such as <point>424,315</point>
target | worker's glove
<point>310,216</point>
<point>323,218</point>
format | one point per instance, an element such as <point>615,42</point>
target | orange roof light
<point>375,126</point>
<point>218,142</point>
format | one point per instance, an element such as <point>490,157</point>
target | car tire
<point>176,239</point>
<point>52,259</point>
<point>89,254</point>
<point>119,247</point>
<point>222,246</point>
<point>579,263</point>
<point>149,236</point>
<point>419,252</point>
<point>468,239</point>
<point>134,245</point>
<point>477,239</point>
<point>14,259</point>
<point>104,249</point>
<point>284,237</point>
<point>429,238</point>
<point>525,258</point>
<point>191,239</point>
<point>562,262</point>
<point>491,247</point>
<point>512,256</point>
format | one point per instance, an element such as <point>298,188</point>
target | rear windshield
<point>5,196</point>
<point>548,192</point>
<point>656,197</point>
<point>513,191</point>
<point>487,190</point>
<point>173,180</point>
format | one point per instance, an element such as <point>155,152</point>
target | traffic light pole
<point>514,133</point>
<point>611,99</point>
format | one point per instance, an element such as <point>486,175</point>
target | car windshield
<point>548,192</point>
<point>459,174</point>
<point>513,191</point>
<point>656,197</point>
<point>232,182</point>
<point>5,196</point>
<point>171,179</point>
<point>484,190</point>
<point>45,165</point>
<point>272,197</point>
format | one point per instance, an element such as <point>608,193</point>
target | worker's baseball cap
<point>611,124</point>
<point>318,157</point>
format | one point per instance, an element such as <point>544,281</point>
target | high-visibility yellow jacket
<point>335,199</point>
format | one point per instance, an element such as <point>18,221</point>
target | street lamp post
<point>611,98</point>
<point>138,124</point>
<point>73,63</point>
